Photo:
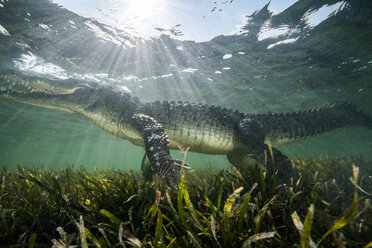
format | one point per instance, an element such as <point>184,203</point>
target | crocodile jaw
<point>42,104</point>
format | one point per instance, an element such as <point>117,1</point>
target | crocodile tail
<point>367,120</point>
<point>284,128</point>
<point>350,116</point>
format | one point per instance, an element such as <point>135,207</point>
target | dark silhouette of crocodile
<point>160,126</point>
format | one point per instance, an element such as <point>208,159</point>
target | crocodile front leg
<point>157,149</point>
<point>146,168</point>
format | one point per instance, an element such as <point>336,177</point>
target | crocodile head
<point>37,91</point>
<point>66,95</point>
<point>107,107</point>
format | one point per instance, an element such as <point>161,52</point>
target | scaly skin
<point>205,129</point>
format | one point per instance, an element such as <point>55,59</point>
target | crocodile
<point>161,126</point>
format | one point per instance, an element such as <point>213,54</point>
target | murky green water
<point>243,55</point>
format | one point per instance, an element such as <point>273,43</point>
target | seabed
<point>328,206</point>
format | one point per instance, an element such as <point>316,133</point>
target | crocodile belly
<point>209,140</point>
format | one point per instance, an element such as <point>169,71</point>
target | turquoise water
<point>256,57</point>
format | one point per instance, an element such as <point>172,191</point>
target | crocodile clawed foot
<point>286,177</point>
<point>170,169</point>
<point>179,164</point>
<point>173,177</point>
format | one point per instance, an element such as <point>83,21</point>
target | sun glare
<point>143,9</point>
<point>140,14</point>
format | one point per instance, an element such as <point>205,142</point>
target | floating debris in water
<point>3,31</point>
<point>261,77</point>
<point>190,70</point>
<point>44,26</point>
<point>227,56</point>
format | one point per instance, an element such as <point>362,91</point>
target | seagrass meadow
<point>329,206</point>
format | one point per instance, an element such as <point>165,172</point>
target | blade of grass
<point>57,244</point>
<point>158,230</point>
<point>211,207</point>
<point>194,239</point>
<point>95,241</point>
<point>297,222</point>
<point>300,227</point>
<point>228,234</point>
<point>189,205</point>
<point>111,216</point>
<point>213,228</point>
<point>230,201</point>
<point>85,233</point>
<point>170,243</point>
<point>82,231</point>
<point>262,212</point>
<point>354,180</point>
<point>102,242</point>
<point>243,210</point>
<point>32,240</point>
<point>57,186</point>
<point>256,237</point>
<point>219,199</point>
<point>305,236</point>
<point>238,173</point>
<point>349,216</point>
<point>351,213</point>
<point>368,245</point>
<point>151,211</point>
<point>134,241</point>
<point>102,231</point>
<point>271,153</point>
<point>263,182</point>
<point>181,212</point>
<point>121,229</point>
